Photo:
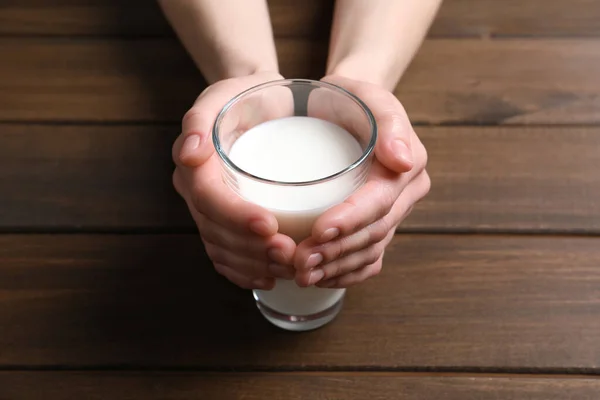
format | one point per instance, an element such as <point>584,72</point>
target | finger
<point>341,266</point>
<point>198,121</point>
<point>231,211</point>
<point>243,281</point>
<point>207,194</point>
<point>277,248</point>
<point>393,147</point>
<point>355,277</point>
<point>191,150</point>
<point>371,202</point>
<point>337,108</point>
<point>269,103</point>
<point>247,266</point>
<point>311,254</point>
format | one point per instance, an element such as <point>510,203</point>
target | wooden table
<point>491,290</point>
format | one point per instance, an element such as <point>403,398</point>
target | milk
<point>296,149</point>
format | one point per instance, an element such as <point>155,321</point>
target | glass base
<point>299,323</point>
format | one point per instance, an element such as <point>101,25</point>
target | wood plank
<point>112,80</point>
<point>456,18</point>
<point>88,177</point>
<point>517,18</point>
<point>484,179</point>
<point>82,17</point>
<point>470,303</point>
<point>292,386</point>
<point>504,82</point>
<point>507,179</point>
<point>451,81</point>
<point>142,18</point>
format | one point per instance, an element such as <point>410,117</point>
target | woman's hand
<point>240,238</point>
<point>348,241</point>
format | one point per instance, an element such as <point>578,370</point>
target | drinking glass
<point>289,306</point>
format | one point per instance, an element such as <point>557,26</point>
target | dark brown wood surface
<point>292,386</point>
<point>119,178</point>
<point>491,291</point>
<point>136,18</point>
<point>451,80</point>
<point>442,303</point>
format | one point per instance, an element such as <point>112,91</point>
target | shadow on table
<point>166,307</point>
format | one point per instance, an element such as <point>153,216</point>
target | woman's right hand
<point>240,238</point>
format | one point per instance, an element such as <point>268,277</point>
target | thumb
<point>393,148</point>
<point>194,146</point>
<point>192,150</point>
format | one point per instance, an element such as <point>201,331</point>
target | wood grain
<point>525,179</point>
<point>517,18</point>
<point>88,177</point>
<point>292,386</point>
<point>142,18</point>
<point>449,303</point>
<point>504,82</point>
<point>312,18</point>
<point>119,178</point>
<point>451,81</point>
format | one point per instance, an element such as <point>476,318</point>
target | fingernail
<point>315,276</point>
<point>402,151</point>
<point>330,234</point>
<point>263,283</point>
<point>313,260</point>
<point>281,271</point>
<point>190,145</point>
<point>277,256</point>
<point>260,227</point>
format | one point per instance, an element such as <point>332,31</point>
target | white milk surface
<point>296,149</point>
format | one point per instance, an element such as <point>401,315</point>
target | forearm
<point>226,38</point>
<point>375,40</point>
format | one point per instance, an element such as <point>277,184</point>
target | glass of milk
<point>296,147</point>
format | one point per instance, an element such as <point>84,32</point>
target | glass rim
<point>285,82</point>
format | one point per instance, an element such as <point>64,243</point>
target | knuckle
<point>198,199</point>
<point>387,199</point>
<point>209,238</point>
<point>352,203</point>
<point>258,268</point>
<point>375,269</point>
<point>397,120</point>
<point>176,181</point>
<point>349,281</point>
<point>332,271</point>
<point>379,230</point>
<point>334,250</point>
<point>338,269</point>
<point>372,255</point>
<point>214,252</point>
<point>421,155</point>
<point>212,236</point>
<point>426,183</point>
<point>243,283</point>
<point>206,90</point>
<point>190,114</point>
<point>220,268</point>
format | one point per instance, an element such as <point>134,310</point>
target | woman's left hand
<point>348,240</point>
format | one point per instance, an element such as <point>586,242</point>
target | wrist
<point>238,70</point>
<point>354,67</point>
